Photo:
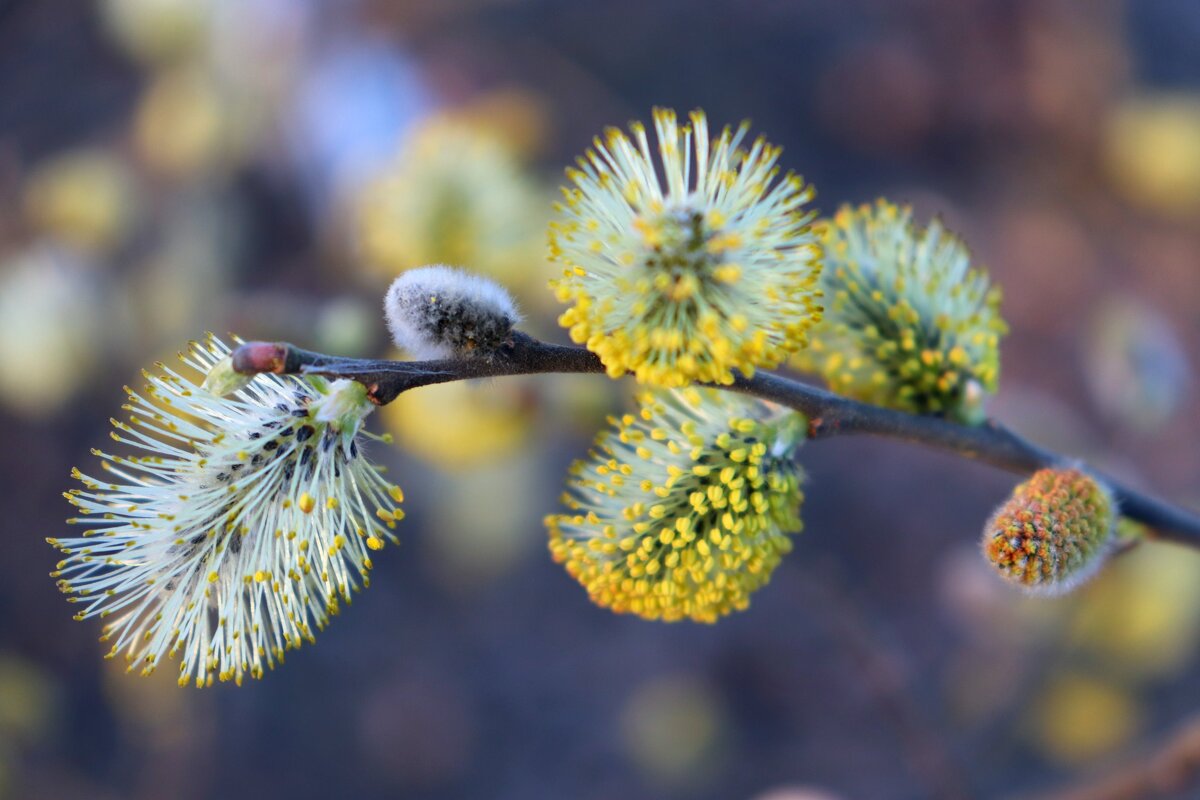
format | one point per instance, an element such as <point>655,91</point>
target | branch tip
<point>252,358</point>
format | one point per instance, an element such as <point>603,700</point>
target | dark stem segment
<point>828,414</point>
<point>386,380</point>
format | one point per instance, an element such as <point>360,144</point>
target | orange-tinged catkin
<point>1053,533</point>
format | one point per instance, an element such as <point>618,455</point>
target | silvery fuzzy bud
<point>439,312</point>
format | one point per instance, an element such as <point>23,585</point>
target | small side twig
<point>1168,770</point>
<point>829,414</point>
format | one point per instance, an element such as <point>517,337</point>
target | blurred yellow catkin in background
<point>85,198</point>
<point>455,194</point>
<point>1152,150</point>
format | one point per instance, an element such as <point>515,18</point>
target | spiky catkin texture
<point>1053,533</point>
<point>233,526</point>
<point>686,280</point>
<point>685,509</point>
<point>908,324</point>
<point>440,312</point>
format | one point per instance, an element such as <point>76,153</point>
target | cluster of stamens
<point>684,510</point>
<point>240,527</point>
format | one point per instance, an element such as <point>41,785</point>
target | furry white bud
<point>440,312</point>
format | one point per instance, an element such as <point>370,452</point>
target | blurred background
<point>268,166</point>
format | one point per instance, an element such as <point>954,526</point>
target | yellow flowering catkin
<point>685,509</point>
<point>685,279</point>
<point>237,523</point>
<point>909,324</point>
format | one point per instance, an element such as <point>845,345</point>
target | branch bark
<point>829,414</point>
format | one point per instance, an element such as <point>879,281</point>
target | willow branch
<point>828,414</point>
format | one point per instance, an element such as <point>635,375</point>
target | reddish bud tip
<point>252,358</point>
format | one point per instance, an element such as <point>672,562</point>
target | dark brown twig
<point>1171,768</point>
<point>829,414</point>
